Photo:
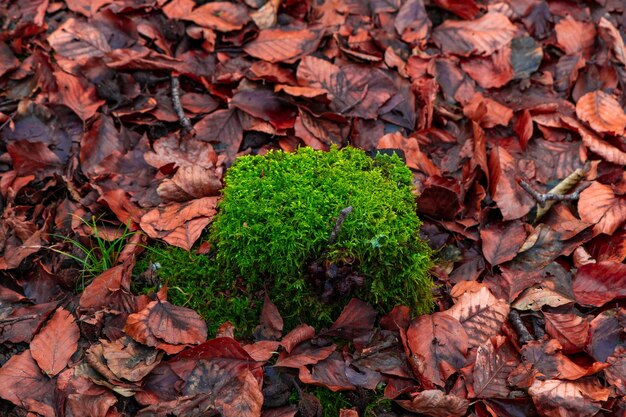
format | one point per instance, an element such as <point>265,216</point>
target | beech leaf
<point>53,347</point>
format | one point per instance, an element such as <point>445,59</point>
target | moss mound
<point>277,215</point>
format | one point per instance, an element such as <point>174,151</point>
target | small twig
<point>563,187</point>
<point>342,217</point>
<point>539,325</point>
<point>8,120</point>
<point>178,108</point>
<point>543,198</point>
<point>518,326</point>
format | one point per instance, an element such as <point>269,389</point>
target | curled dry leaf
<point>130,360</point>
<point>611,35</point>
<point>555,397</point>
<point>111,289</point>
<point>482,36</point>
<point>440,342</point>
<point>599,205</point>
<point>53,346</point>
<point>487,112</point>
<point>481,314</point>
<point>616,372</point>
<point>190,182</point>
<point>300,334</point>
<point>77,94</point>
<point>164,322</point>
<point>595,144</point>
<point>78,40</point>
<point>598,283</point>
<point>331,373</point>
<point>602,112</point>
<point>435,403</point>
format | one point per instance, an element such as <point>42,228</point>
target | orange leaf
<point>482,36</point>
<point>222,16</point>
<point>599,205</point>
<point>493,71</point>
<point>595,144</point>
<point>602,112</point>
<point>53,347</point>
<point>611,35</point>
<point>283,45</point>
<point>78,94</point>
<point>574,36</point>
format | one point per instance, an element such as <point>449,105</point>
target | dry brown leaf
<point>283,45</point>
<point>415,158</point>
<point>555,397</point>
<point>611,35</point>
<point>439,343</point>
<point>53,346</point>
<point>222,16</point>
<point>570,329</point>
<point>493,365</point>
<point>190,182</point>
<point>602,112</point>
<point>482,36</point>
<point>163,321</point>
<point>511,199</point>
<point>481,314</point>
<point>598,283</point>
<point>435,403</point>
<point>491,72</point>
<point>487,112</point>
<point>502,241</point>
<point>78,40</point>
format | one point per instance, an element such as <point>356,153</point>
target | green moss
<point>275,220</point>
<point>332,402</point>
<point>194,281</point>
<point>278,213</point>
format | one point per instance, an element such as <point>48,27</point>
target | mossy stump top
<point>279,210</point>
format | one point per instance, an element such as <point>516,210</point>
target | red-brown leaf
<point>502,241</point>
<point>481,314</point>
<point>304,354</point>
<point>162,321</point>
<point>493,71</point>
<point>439,342</point>
<point>300,334</point>
<point>356,319</point>
<point>22,383</point>
<point>190,182</point>
<point>110,289</point>
<point>494,363</point>
<point>53,347</point>
<point>78,40</point>
<point>465,9</point>
<point>598,283</point>
<point>415,158</point>
<point>482,36</point>
<point>511,199</point>
<point>283,45</point>
<point>271,326</point>
<point>574,36</point>
<point>570,329</point>
<point>555,397</point>
<point>611,35</point>
<point>77,94</point>
<point>33,158</point>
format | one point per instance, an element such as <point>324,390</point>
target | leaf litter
<point>510,115</point>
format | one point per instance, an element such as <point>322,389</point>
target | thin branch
<point>518,326</point>
<point>342,217</point>
<point>178,108</point>
<point>568,183</point>
<point>543,198</point>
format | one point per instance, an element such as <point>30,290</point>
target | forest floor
<point>118,119</point>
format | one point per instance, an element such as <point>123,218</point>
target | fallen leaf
<point>546,357</point>
<point>304,354</point>
<point>190,182</point>
<point>435,403</point>
<point>599,205</point>
<point>440,341</point>
<point>22,383</point>
<point>616,372</point>
<point>283,45</point>
<point>76,39</point>
<point>511,199</point>
<point>465,9</point>
<point>129,360</point>
<point>55,344</point>
<point>502,241</point>
<point>554,397</point>
<point>271,326</point>
<point>415,158</point>
<point>574,36</point>
<point>606,333</point>
<point>494,71</point>
<point>570,329</point>
<point>222,16</point>
<point>482,36</point>
<point>480,314</point>
<point>598,283</point>
<point>487,112</point>
<point>356,319</point>
<point>164,322</point>
<point>494,363</point>
<point>611,35</point>
<point>301,333</point>
<point>602,112</point>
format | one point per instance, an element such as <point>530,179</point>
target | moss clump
<point>278,212</point>
<point>194,281</point>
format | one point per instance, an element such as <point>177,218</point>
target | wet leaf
<point>606,332</point>
<point>53,346</point>
<point>546,357</point>
<point>482,36</point>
